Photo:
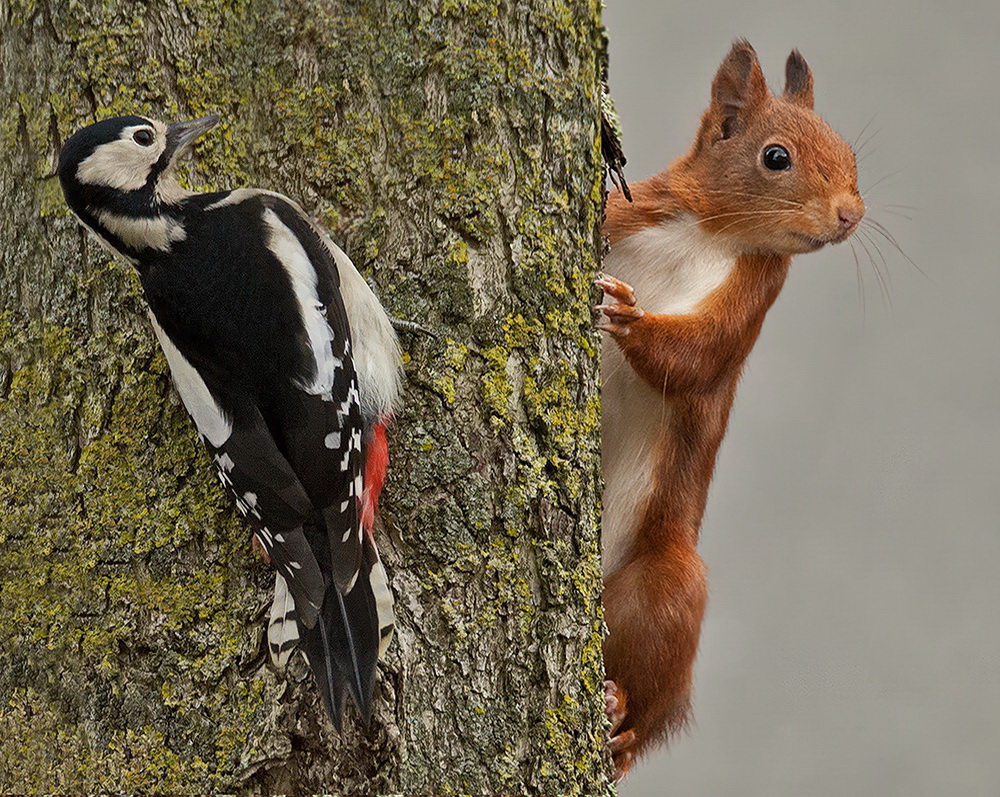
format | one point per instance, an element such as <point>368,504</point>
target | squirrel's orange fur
<point>671,376</point>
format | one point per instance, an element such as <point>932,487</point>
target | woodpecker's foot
<point>402,325</point>
<point>258,549</point>
<point>623,311</point>
<point>621,745</point>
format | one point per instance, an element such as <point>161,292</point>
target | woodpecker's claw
<point>402,325</point>
<point>258,549</point>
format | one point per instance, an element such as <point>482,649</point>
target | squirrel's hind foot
<point>621,745</point>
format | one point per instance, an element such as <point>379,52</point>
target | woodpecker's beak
<point>181,135</point>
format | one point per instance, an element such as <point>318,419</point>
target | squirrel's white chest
<point>673,267</point>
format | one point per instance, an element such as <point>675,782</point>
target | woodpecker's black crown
<point>82,143</point>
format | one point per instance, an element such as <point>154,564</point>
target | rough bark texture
<point>453,147</point>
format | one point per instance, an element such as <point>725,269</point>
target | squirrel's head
<point>765,170</point>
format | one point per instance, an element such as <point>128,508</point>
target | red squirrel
<point>698,257</point>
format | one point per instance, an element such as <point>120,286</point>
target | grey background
<point>852,644</point>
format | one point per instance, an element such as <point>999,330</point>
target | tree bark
<point>452,147</point>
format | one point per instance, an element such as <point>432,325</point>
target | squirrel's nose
<point>849,217</point>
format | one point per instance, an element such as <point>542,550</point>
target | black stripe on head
<point>162,165</point>
<point>180,138</point>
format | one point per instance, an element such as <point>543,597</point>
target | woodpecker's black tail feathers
<point>343,646</point>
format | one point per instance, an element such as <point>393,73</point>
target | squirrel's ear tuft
<point>739,88</point>
<point>798,80</point>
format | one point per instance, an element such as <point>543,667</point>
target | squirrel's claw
<point>613,329</point>
<point>621,311</point>
<point>617,317</point>
<point>615,288</point>
<point>614,704</point>
<point>620,744</point>
<point>623,762</point>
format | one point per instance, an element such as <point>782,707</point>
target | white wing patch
<point>284,244</point>
<point>377,359</point>
<point>198,400</point>
<point>238,195</point>
<point>123,164</point>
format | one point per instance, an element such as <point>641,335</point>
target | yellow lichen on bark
<point>452,148</point>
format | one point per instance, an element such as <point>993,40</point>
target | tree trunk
<point>452,147</point>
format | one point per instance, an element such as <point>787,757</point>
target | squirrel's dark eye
<point>144,137</point>
<point>776,158</point>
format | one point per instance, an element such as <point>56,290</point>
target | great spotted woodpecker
<point>288,365</point>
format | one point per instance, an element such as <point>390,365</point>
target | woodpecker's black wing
<point>339,628</point>
<point>261,324</point>
<point>253,469</point>
<point>269,495</point>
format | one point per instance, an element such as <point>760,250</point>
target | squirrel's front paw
<point>622,312</point>
<point>621,745</point>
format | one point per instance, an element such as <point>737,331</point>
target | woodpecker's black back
<point>245,297</point>
<point>226,301</point>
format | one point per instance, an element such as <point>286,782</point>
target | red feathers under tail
<point>376,464</point>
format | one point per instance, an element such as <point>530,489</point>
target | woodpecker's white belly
<point>672,267</point>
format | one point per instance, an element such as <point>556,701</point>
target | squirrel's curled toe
<point>621,744</point>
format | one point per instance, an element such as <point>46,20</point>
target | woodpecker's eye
<point>776,158</point>
<point>143,137</point>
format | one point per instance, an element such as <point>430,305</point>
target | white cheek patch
<point>123,164</point>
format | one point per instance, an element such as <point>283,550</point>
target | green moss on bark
<point>452,147</point>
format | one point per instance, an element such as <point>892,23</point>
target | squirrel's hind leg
<point>653,606</point>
